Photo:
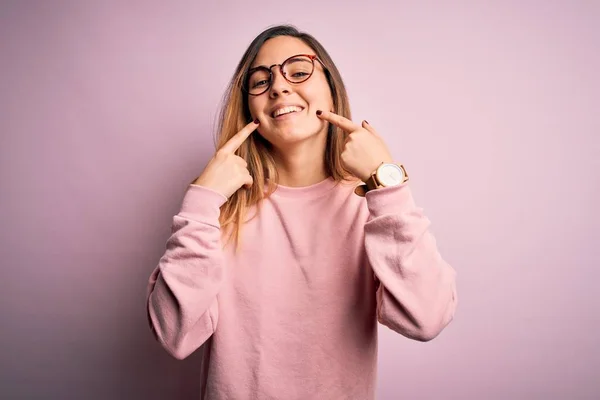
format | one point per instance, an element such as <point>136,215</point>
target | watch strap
<point>372,182</point>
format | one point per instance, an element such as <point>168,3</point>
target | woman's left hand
<point>364,149</point>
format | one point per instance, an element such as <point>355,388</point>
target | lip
<point>282,105</point>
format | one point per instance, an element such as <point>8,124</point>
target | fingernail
<point>256,121</point>
<point>367,122</point>
<point>319,112</point>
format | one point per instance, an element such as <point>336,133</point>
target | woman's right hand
<point>226,172</point>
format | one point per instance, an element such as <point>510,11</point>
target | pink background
<point>106,113</point>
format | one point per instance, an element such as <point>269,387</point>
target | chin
<point>296,135</point>
<point>291,133</point>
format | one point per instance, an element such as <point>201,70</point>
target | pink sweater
<point>294,314</point>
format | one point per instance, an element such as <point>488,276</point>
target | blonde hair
<point>235,114</point>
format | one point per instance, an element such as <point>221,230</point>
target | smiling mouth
<point>285,111</point>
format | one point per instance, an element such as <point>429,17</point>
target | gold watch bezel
<point>375,180</point>
<point>373,183</point>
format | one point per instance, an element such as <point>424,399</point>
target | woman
<point>280,263</point>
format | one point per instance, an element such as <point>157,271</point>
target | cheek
<point>254,106</point>
<point>319,95</point>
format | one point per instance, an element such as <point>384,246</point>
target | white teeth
<point>286,110</point>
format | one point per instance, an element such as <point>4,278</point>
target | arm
<point>416,294</point>
<point>182,290</point>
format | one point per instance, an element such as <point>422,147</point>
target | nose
<point>279,84</point>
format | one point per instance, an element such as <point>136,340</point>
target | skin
<point>299,139</point>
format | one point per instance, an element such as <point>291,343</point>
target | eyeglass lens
<point>295,70</point>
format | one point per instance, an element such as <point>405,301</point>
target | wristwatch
<point>386,175</point>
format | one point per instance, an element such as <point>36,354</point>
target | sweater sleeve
<point>416,293</point>
<point>182,289</point>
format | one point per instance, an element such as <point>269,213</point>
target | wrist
<point>387,174</point>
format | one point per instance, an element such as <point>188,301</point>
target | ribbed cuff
<point>390,200</point>
<point>202,204</point>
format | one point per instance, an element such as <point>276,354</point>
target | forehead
<point>277,49</point>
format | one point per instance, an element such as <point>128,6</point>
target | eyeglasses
<point>296,69</point>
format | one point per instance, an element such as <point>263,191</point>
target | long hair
<point>257,151</point>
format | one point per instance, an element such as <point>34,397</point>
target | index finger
<point>339,121</point>
<point>236,140</point>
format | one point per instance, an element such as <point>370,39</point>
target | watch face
<point>390,175</point>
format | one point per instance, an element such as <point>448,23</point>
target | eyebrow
<point>265,66</point>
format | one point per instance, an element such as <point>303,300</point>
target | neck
<point>301,164</point>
